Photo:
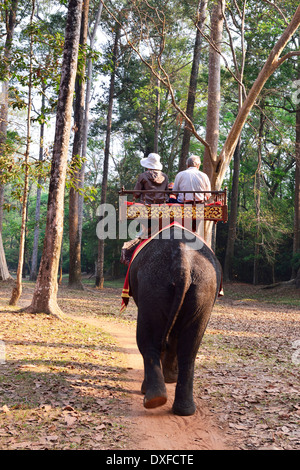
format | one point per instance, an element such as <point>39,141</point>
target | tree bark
<point>201,14</point>
<point>100,259</point>
<point>74,228</point>
<point>45,294</point>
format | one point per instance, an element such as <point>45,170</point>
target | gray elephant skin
<point>174,283</point>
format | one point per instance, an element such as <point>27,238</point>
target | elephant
<point>174,282</point>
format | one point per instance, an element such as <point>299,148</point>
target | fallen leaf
<point>68,408</point>
<point>70,420</point>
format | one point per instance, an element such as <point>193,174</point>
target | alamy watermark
<point>2,352</point>
<point>113,226</point>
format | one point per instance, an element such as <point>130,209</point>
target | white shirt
<point>194,180</point>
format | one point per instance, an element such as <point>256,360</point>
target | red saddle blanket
<point>126,288</point>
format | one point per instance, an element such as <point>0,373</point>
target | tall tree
<point>201,16</point>
<point>89,75</point>
<point>74,228</point>
<point>214,98</point>
<point>100,259</point>
<point>214,89</point>
<point>17,290</point>
<point>232,223</point>
<point>296,239</point>
<point>45,294</point>
<point>9,14</point>
<point>34,259</point>
<point>257,197</point>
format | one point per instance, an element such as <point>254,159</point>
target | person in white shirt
<point>194,180</point>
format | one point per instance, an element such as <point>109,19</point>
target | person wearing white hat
<point>152,179</point>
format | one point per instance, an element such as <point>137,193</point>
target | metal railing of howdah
<point>213,209</point>
<point>215,196</point>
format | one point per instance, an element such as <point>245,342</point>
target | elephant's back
<point>164,261</point>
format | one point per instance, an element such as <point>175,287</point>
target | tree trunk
<point>74,232</point>
<point>86,116</point>
<point>10,27</point>
<point>45,294</point>
<point>214,100</point>
<point>233,215</point>
<point>157,114</point>
<point>201,13</point>
<point>296,239</point>
<point>257,197</point>
<point>34,259</point>
<point>17,290</point>
<point>100,260</point>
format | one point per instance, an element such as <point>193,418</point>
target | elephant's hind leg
<point>149,340</point>
<point>153,386</point>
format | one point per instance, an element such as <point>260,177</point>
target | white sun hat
<point>152,162</point>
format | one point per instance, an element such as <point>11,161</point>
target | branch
<point>278,9</point>
<point>287,56</point>
<point>164,79</point>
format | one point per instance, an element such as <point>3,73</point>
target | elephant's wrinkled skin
<point>175,288</point>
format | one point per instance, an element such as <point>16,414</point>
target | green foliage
<point>137,94</point>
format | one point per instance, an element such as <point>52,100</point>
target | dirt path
<point>160,429</point>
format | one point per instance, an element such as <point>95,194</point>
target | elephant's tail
<point>182,283</point>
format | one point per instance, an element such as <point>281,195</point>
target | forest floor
<point>76,384</point>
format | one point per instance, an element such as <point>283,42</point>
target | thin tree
<point>257,197</point>
<point>92,38</point>
<point>157,117</point>
<point>100,259</point>
<point>234,198</point>
<point>296,239</point>
<point>34,259</point>
<point>45,293</point>
<point>10,15</point>
<point>17,290</point>
<point>214,99</point>
<point>74,228</point>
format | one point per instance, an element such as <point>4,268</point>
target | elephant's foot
<point>184,409</point>
<point>155,398</point>
<point>154,402</point>
<point>170,376</point>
